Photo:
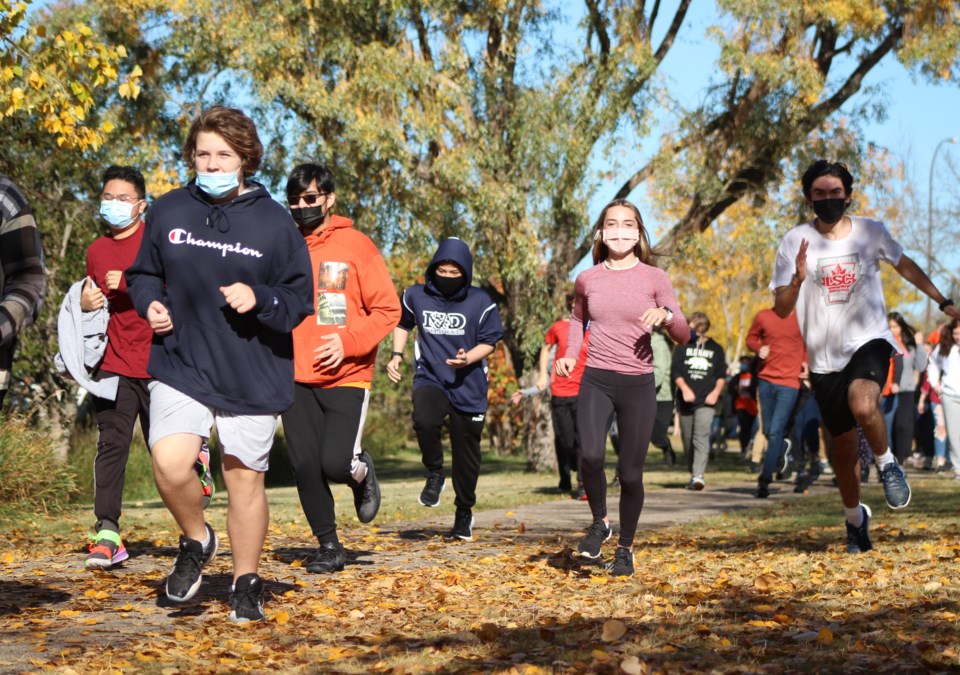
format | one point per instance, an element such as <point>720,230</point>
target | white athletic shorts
<point>248,438</point>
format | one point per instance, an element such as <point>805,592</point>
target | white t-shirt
<point>840,307</point>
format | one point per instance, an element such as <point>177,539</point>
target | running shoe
<point>896,489</point>
<point>858,538</point>
<point>184,581</point>
<point>106,551</point>
<point>331,557</point>
<point>246,599</point>
<point>462,525</point>
<point>596,534</point>
<point>430,496</point>
<point>622,565</point>
<point>366,494</point>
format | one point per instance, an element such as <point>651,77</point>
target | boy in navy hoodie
<point>458,326</point>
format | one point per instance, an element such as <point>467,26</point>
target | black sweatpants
<point>115,420</point>
<point>566,438</point>
<point>323,429</point>
<point>431,410</point>
<point>661,423</point>
<point>904,421</point>
<point>633,398</point>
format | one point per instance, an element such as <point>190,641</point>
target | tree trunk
<point>538,435</point>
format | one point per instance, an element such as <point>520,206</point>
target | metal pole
<point>933,159</point>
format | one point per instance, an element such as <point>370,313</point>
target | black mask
<point>449,286</point>
<point>830,211</point>
<point>308,217</point>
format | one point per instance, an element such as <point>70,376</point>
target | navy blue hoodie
<point>240,363</point>
<point>446,325</point>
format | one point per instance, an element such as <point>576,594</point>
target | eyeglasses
<point>310,198</point>
<point>126,199</point>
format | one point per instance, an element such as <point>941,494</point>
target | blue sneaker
<point>858,538</point>
<point>896,489</point>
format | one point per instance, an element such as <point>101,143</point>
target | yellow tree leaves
<point>59,79</point>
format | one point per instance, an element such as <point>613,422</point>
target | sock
<point>358,469</point>
<point>854,515</point>
<point>885,459</point>
<point>206,539</point>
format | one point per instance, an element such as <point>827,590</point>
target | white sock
<point>854,515</point>
<point>206,540</point>
<point>358,469</point>
<point>885,459</point>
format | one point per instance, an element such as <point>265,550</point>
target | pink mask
<point>621,239</point>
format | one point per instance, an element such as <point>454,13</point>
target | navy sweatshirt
<point>239,363</point>
<point>445,325</point>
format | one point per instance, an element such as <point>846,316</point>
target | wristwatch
<point>400,354</point>
<point>946,303</point>
<point>669,314</point>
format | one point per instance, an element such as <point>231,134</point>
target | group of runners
<point>227,309</point>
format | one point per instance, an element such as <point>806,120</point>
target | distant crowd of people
<point>218,306</point>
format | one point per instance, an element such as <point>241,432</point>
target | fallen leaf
<point>613,630</point>
<point>634,666</point>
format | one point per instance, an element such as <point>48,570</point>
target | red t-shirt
<point>557,335</point>
<point>128,336</point>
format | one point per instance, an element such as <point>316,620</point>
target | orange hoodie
<point>354,297</point>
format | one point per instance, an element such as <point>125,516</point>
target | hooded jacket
<point>445,325</point>
<point>239,363</point>
<point>355,298</point>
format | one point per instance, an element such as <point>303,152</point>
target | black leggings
<point>903,424</point>
<point>633,398</point>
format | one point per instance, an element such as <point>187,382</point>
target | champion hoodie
<point>446,325</point>
<point>354,297</point>
<point>239,363</point>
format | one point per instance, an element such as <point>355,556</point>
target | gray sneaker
<point>858,538</point>
<point>366,495</point>
<point>896,489</point>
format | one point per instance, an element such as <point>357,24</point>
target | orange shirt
<point>557,336</point>
<point>354,297</point>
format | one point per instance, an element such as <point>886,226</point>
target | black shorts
<point>870,362</point>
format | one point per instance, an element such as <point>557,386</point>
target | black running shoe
<point>246,599</point>
<point>366,495</point>
<point>622,565</point>
<point>596,534</point>
<point>763,488</point>
<point>462,525</point>
<point>184,581</point>
<point>331,557</point>
<point>895,486</point>
<point>430,496</point>
<point>858,538</point>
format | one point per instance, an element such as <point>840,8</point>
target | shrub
<point>30,476</point>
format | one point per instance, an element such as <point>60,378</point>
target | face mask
<point>117,213</point>
<point>308,217</point>
<point>448,286</point>
<point>218,184</point>
<point>830,211</point>
<point>621,240</point>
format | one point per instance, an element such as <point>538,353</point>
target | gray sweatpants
<point>695,432</point>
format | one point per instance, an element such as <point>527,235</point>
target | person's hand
<point>239,296</point>
<point>952,312</point>
<point>921,406</point>
<point>653,317</point>
<point>91,297</point>
<point>894,388</point>
<point>515,398</point>
<point>804,371</point>
<point>460,360</point>
<point>712,398</point>
<point>688,395</point>
<point>159,318</point>
<point>764,352</point>
<point>330,354</point>
<point>801,271</point>
<point>393,369</point>
<point>564,367</point>
<point>113,279</point>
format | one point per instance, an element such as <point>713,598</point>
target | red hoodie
<point>354,297</point>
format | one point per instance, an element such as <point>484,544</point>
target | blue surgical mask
<point>117,213</point>
<point>218,184</point>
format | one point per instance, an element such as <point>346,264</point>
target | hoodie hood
<point>456,251</point>
<point>218,215</point>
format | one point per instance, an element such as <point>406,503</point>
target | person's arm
<point>579,317</point>
<point>543,378</point>
<point>754,335</point>
<point>933,373</point>
<point>910,271</point>
<point>24,282</point>
<point>787,295</point>
<point>464,358</point>
<point>400,336</point>
<point>489,334</point>
<point>897,373</point>
<point>287,299</point>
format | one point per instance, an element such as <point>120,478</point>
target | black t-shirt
<point>700,366</point>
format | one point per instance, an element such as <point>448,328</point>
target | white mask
<point>621,240</point>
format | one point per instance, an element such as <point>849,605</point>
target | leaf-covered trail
<point>718,596</point>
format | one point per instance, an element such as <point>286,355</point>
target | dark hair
<point>700,322</point>
<point>235,128</point>
<point>946,338</point>
<point>127,174</point>
<point>641,249</point>
<point>303,174</point>
<point>907,332</point>
<point>822,168</point>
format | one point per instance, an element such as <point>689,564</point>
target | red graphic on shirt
<point>838,277</point>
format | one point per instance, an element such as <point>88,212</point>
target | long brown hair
<point>641,249</point>
<point>946,338</point>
